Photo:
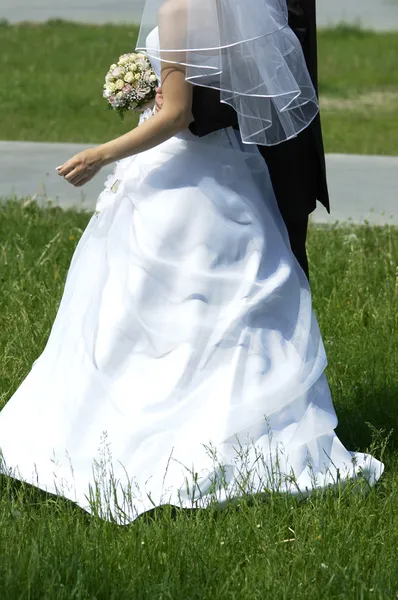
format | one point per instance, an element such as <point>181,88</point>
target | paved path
<point>374,14</point>
<point>380,15</point>
<point>362,187</point>
<point>87,11</point>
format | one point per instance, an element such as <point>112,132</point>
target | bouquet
<point>130,84</point>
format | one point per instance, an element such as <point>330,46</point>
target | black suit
<point>297,167</point>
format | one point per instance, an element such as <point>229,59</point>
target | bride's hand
<point>82,167</point>
<point>145,107</point>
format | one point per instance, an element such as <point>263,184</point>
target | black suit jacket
<point>297,167</point>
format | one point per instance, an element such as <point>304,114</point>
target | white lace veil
<point>245,49</point>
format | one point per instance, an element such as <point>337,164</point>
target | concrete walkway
<point>374,14</point>
<point>379,15</point>
<point>86,11</point>
<point>362,187</point>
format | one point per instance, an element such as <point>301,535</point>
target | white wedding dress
<point>185,364</point>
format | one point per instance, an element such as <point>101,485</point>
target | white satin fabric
<point>185,364</point>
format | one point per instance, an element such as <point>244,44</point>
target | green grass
<point>358,83</point>
<point>351,132</point>
<point>336,545</point>
<point>353,60</point>
<point>54,75</point>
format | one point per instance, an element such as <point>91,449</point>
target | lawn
<point>54,75</point>
<point>335,545</point>
<point>358,82</point>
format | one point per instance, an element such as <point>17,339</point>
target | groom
<point>297,167</point>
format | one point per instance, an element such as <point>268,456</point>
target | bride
<point>185,364</point>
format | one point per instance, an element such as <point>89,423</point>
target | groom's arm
<point>299,17</point>
<point>209,113</point>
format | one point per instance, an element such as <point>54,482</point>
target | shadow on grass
<point>14,490</point>
<point>371,413</point>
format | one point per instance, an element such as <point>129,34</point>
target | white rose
<point>129,77</point>
<point>133,68</point>
<point>117,73</point>
<point>124,60</point>
<point>119,95</point>
<point>153,78</point>
<point>111,87</point>
<point>119,85</point>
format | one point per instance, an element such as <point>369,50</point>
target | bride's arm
<point>175,116</point>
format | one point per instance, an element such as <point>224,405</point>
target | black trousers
<point>294,170</point>
<point>297,230</point>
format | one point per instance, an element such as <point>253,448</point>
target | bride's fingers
<point>76,172</point>
<point>61,170</point>
<point>82,178</point>
<point>74,176</point>
<point>78,181</point>
<point>82,182</point>
<point>70,165</point>
<point>66,168</point>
